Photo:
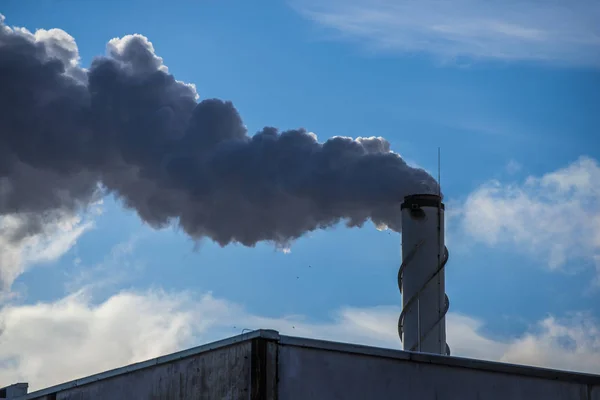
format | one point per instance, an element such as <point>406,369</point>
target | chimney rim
<point>422,200</point>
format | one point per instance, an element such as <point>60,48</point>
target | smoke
<point>125,126</point>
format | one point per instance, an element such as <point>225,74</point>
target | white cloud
<point>125,328</point>
<point>56,238</point>
<point>561,31</point>
<point>133,326</point>
<point>555,217</point>
<point>574,343</point>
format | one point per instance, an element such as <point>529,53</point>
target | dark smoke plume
<point>126,126</point>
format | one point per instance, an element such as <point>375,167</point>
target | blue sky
<point>509,94</point>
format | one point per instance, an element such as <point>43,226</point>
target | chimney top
<point>422,200</point>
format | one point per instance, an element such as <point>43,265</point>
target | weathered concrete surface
<point>218,374</point>
<point>223,373</point>
<point>318,373</point>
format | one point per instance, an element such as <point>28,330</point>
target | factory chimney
<point>422,325</point>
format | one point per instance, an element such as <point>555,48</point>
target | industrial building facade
<point>267,366</point>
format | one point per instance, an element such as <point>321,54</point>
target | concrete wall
<point>218,374</point>
<point>324,374</point>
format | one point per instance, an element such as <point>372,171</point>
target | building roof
<point>274,336</point>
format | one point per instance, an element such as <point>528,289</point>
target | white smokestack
<point>422,325</point>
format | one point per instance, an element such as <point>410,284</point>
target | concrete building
<point>266,365</point>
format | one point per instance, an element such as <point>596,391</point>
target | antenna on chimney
<point>440,172</point>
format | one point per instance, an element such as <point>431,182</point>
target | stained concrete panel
<point>316,373</point>
<point>218,374</point>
